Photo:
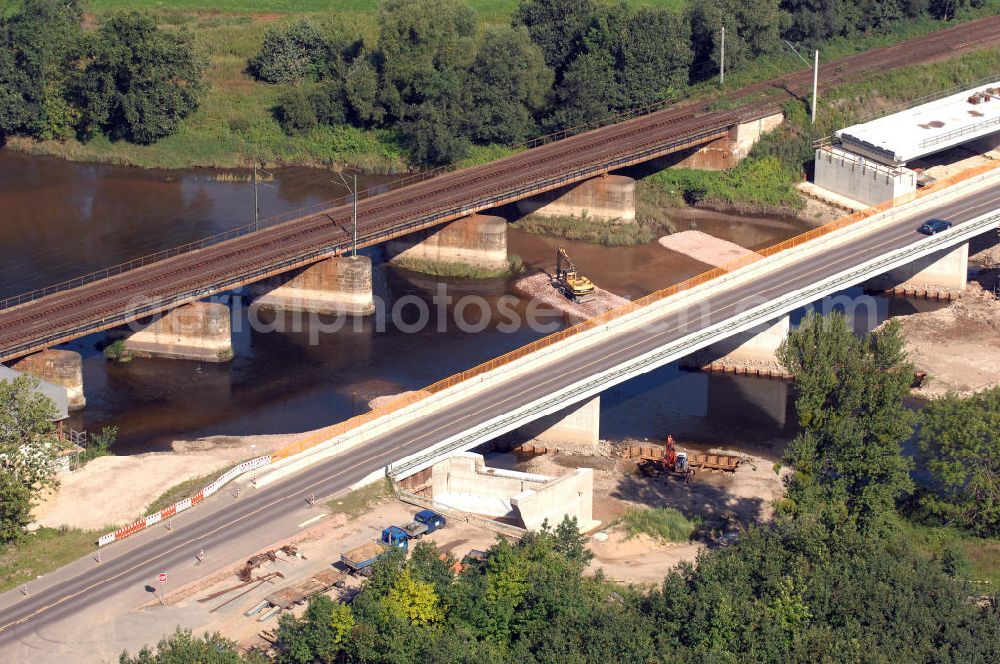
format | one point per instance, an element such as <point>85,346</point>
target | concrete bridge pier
<point>942,274</point>
<point>340,285</point>
<point>478,240</point>
<point>578,425</point>
<point>59,367</point>
<point>604,198</point>
<point>199,331</point>
<point>752,352</point>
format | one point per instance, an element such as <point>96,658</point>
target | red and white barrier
<point>180,506</point>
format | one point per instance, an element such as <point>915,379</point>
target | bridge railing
<point>405,400</point>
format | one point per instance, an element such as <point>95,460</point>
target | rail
<point>328,207</point>
<point>403,401</point>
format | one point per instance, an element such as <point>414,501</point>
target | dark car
<point>934,226</point>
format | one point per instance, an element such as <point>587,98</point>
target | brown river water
<point>60,219</point>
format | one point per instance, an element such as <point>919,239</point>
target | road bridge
<point>147,286</point>
<point>482,403</point>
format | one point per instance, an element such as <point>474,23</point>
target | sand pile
<point>703,247</point>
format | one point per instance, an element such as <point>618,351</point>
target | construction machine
<point>672,462</point>
<point>573,285</point>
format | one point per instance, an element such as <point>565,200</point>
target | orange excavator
<point>672,462</point>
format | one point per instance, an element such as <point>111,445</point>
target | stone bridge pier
<point>728,151</point>
<point>604,198</point>
<point>479,241</point>
<point>199,331</point>
<point>340,285</point>
<point>59,367</point>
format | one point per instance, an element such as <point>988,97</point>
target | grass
<point>41,552</point>
<point>664,523</point>
<point>483,7</point>
<point>183,490</point>
<point>982,554</point>
<point>361,501</point>
<point>597,231</point>
<point>461,270</point>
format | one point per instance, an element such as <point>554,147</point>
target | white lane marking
<point>314,519</point>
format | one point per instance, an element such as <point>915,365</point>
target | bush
<point>664,523</point>
<point>288,54</point>
<point>116,350</point>
<point>295,113</point>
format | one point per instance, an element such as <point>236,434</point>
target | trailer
<point>360,559</point>
<point>299,593</point>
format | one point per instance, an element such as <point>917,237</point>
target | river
<point>63,219</point>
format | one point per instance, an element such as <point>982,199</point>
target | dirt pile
<point>703,247</point>
<point>958,346</point>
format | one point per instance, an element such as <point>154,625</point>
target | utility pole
<point>354,250</point>
<point>256,204</point>
<point>815,84</point>
<point>722,59</point>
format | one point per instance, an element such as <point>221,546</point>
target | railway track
<point>146,290</point>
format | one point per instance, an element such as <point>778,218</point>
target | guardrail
<point>399,403</point>
<point>961,131</point>
<point>180,506</point>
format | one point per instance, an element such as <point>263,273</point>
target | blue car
<point>934,226</point>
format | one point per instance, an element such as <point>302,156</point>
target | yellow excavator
<point>573,285</point>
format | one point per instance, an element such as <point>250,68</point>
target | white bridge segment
<point>647,316</point>
<point>938,125</point>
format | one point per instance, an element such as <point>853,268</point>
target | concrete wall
<point>859,179</point>
<point>478,240</point>
<point>577,425</point>
<point>59,367</point>
<point>751,350</point>
<point>341,285</point>
<point>463,482</point>
<point>724,153</point>
<point>608,197</point>
<point>197,331</point>
<point>947,269</point>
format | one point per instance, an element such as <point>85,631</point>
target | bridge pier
<point>578,424</point>
<point>340,285</point>
<point>59,367</point>
<point>479,241</point>
<point>197,331</point>
<point>946,270</point>
<point>751,352</point>
<point>607,197</point>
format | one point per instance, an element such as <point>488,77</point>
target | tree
<point>319,636</point>
<point>811,22</point>
<point>654,57</point>
<point>753,29</point>
<point>291,54</point>
<point>850,405</point>
<point>412,600</point>
<point>557,26</point>
<point>139,82</point>
<point>509,85</point>
<point>28,449</point>
<point>183,648</point>
<point>960,449</point>
<point>38,46</point>
<point>295,112</point>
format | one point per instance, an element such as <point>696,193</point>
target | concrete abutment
<point>340,285</point>
<point>604,198</point>
<point>59,367</point>
<point>479,241</point>
<point>199,331</point>
<point>577,425</point>
<point>726,152</point>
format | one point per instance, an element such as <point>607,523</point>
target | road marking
<point>316,518</point>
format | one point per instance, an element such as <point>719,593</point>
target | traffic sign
<point>162,577</point>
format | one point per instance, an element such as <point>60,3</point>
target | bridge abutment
<point>59,367</point>
<point>340,285</point>
<point>751,352</point>
<point>197,331</point>
<point>859,179</point>
<point>607,197</point>
<point>578,424</point>
<point>944,272</point>
<point>726,152</point>
<point>479,241</point>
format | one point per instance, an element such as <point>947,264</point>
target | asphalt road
<point>262,517</point>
